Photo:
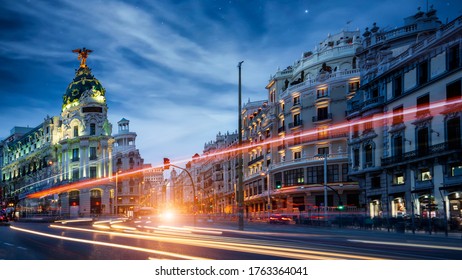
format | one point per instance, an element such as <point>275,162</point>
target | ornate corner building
<point>405,137</point>
<point>65,165</point>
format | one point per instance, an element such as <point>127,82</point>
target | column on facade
<point>104,152</point>
<point>84,160</point>
<point>65,162</point>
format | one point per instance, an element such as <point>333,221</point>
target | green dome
<point>82,82</point>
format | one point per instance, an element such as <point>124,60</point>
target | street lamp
<point>240,193</point>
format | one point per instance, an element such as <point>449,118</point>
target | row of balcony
<point>368,104</point>
<point>321,79</point>
<point>419,153</point>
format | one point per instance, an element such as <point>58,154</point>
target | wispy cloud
<point>170,67</point>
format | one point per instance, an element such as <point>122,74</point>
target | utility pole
<point>240,192</point>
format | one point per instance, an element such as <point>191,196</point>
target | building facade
<point>128,163</point>
<point>405,121</point>
<point>64,166</point>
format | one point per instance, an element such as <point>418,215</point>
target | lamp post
<point>240,193</point>
<point>325,187</point>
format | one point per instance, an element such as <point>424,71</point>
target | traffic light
<point>166,163</point>
<point>340,206</point>
<point>278,184</point>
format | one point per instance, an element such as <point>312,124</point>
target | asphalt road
<point>144,239</point>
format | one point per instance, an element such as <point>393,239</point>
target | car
<point>3,219</point>
<point>280,219</point>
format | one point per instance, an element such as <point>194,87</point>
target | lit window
<point>399,179</point>
<point>425,174</point>
<point>456,170</point>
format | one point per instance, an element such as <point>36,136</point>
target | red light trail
<point>406,115</point>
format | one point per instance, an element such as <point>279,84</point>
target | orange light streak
<point>133,248</point>
<point>238,245</point>
<point>377,120</point>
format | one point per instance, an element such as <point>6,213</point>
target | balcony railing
<point>423,184</point>
<point>375,101</point>
<point>257,159</point>
<point>416,154</point>
<point>452,180</point>
<point>322,117</point>
<point>295,124</point>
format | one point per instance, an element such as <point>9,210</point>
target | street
<point>146,239</point>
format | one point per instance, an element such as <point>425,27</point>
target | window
<point>423,103</point>
<point>453,133</point>
<point>75,174</point>
<point>296,100</point>
<point>322,92</point>
<point>345,172</point>
<point>355,131</point>
<point>397,86</point>
<point>323,151</point>
<point>76,131</point>
<point>453,90</point>
<point>322,133</point>
<point>278,180</point>
<point>456,170</point>
<point>353,86</point>
<point>398,115</point>
<point>297,139</point>
<point>92,172</point>
<point>425,174</point>
<point>74,199</point>
<point>92,129</point>
<point>297,120</point>
<point>368,155</point>
<point>367,126</point>
<point>322,114</point>
<point>453,57</point>
<point>398,178</point>
<point>333,173</point>
<point>297,155</point>
<point>356,158</point>
<point>92,153</point>
<point>398,146</point>
<point>423,73</point>
<point>75,154</point>
<point>315,174</point>
<point>294,177</point>
<point>422,141</point>
<point>375,182</point>
<point>375,92</point>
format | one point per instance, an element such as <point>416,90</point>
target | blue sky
<point>170,67</point>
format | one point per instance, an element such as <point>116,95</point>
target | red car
<point>280,219</point>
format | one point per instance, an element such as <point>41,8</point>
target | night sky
<point>170,67</point>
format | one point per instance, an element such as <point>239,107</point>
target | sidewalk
<point>298,228</point>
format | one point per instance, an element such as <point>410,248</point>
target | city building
<point>293,134</point>
<point>405,138</point>
<point>153,182</point>
<point>287,139</point>
<point>130,184</point>
<point>64,166</point>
